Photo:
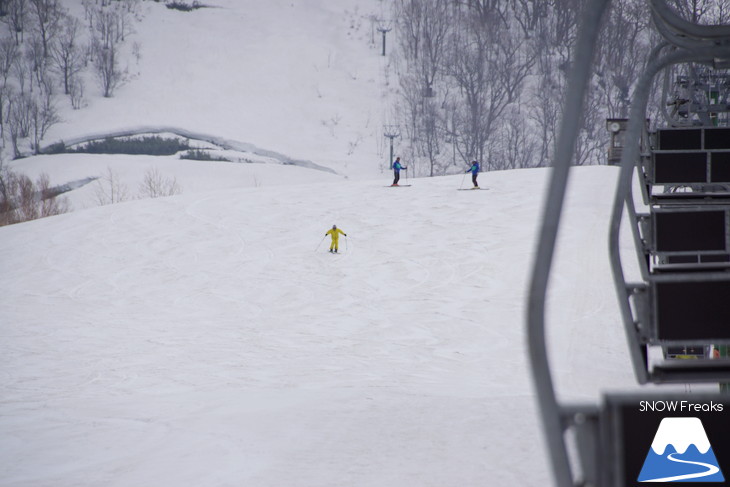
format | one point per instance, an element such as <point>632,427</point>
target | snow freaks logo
<point>681,452</point>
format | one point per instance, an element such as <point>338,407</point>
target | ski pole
<point>462,181</point>
<point>320,243</point>
<point>346,243</point>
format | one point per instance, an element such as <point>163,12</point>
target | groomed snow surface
<point>210,340</point>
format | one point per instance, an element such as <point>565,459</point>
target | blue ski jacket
<point>474,168</point>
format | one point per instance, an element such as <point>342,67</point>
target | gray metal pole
<point>716,34</point>
<point>391,132</point>
<point>391,152</point>
<point>384,31</point>
<point>564,149</point>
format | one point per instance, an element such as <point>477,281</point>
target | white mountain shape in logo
<point>680,433</point>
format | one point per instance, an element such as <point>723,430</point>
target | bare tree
<point>6,93</point>
<point>21,70</point>
<point>23,200</point>
<point>514,147</point>
<point>527,13</point>
<point>26,207</point>
<point>430,137</point>
<point>76,92</point>
<point>68,54</point>
<point>592,138</point>
<point>426,26</point>
<point>43,116</point>
<point>16,18</point>
<point>410,109</point>
<point>20,111</point>
<point>106,66</point>
<point>554,30</point>
<point>30,115</point>
<point>110,189</point>
<point>702,11</point>
<point>564,22</point>
<point>36,61</point>
<point>110,25</point>
<point>471,133</point>
<point>622,53</point>
<point>47,15</point>
<point>547,105</point>
<point>474,68</point>
<point>410,15</point>
<point>107,33</point>
<point>435,25</point>
<point>9,52</point>
<point>125,11</point>
<point>155,185</point>
<point>50,203</point>
<point>6,193</point>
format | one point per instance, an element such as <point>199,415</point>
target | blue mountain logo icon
<point>681,452</point>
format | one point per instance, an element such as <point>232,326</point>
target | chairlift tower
<point>391,132</point>
<point>384,27</point>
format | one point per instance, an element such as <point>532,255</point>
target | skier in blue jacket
<point>474,173</point>
<point>397,166</point>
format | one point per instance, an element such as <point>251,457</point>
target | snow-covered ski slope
<point>205,339</point>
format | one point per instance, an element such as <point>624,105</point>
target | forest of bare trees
<point>45,50</point>
<point>46,54</point>
<point>485,79</point>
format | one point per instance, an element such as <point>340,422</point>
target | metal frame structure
<point>696,98</point>
<point>684,42</point>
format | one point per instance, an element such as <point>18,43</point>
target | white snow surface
<point>209,339</point>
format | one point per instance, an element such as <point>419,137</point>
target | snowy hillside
<point>300,78</point>
<point>210,339</point>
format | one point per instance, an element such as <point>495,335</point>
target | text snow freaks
<point>679,406</point>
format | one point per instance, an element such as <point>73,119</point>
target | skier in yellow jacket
<point>334,232</point>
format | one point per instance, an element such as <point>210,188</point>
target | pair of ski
<point>459,189</point>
